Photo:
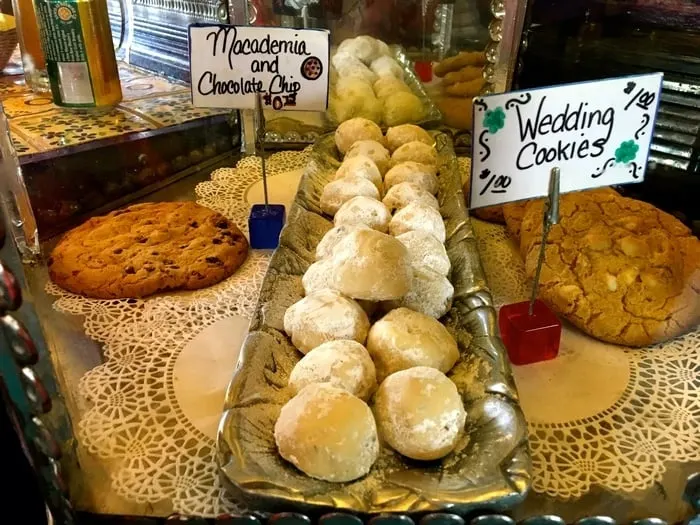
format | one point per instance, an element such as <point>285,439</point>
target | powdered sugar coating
<point>421,175</point>
<point>373,149</point>
<point>418,217</point>
<point>386,66</point>
<point>338,192</point>
<point>355,129</point>
<point>404,193</point>
<point>363,210</point>
<point>333,236</point>
<point>327,433</point>
<point>397,136</point>
<point>419,413</point>
<point>405,338</point>
<point>324,316</point>
<point>430,294</point>
<point>425,252</point>
<point>343,364</point>
<point>415,151</point>
<point>318,276</point>
<point>371,265</point>
<point>361,166</point>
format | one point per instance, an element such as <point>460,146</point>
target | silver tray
<point>490,468</point>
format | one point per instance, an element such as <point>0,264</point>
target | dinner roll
<point>431,294</point>
<point>333,236</point>
<point>421,175</point>
<point>418,217</point>
<point>344,364</point>
<point>364,210</point>
<point>402,194</point>
<point>415,151</point>
<point>327,433</point>
<point>356,129</point>
<point>361,166</point>
<point>420,413</point>
<point>425,252</point>
<point>323,316</point>
<point>397,136</point>
<point>372,149</point>
<point>338,192</point>
<point>371,265</point>
<point>318,276</point>
<point>404,338</point>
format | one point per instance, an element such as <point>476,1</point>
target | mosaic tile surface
<point>150,102</point>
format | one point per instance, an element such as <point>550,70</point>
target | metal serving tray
<point>490,468</point>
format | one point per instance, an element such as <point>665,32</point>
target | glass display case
<point>568,41</point>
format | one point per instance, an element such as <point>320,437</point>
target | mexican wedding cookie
<point>324,316</point>
<point>364,210</point>
<point>338,192</point>
<point>431,294</point>
<point>419,413</point>
<point>371,265</point>
<point>405,133</point>
<point>425,252</point>
<point>356,129</point>
<point>421,175</point>
<point>404,338</point>
<point>328,434</point>
<point>332,237</point>
<point>418,217</point>
<point>404,193</point>
<point>372,149</point>
<point>415,151</point>
<point>361,166</point>
<point>343,364</point>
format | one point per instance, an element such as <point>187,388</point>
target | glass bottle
<point>30,45</point>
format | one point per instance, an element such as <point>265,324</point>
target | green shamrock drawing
<point>495,119</point>
<point>626,152</point>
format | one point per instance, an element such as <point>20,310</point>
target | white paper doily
<point>142,413</point>
<point>599,413</point>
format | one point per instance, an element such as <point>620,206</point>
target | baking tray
<point>433,117</point>
<point>491,467</point>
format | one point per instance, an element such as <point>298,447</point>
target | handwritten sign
<point>230,64</point>
<point>597,133</point>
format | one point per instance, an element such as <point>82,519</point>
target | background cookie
<point>619,269</point>
<point>148,248</point>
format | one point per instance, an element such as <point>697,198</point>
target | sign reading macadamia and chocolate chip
<point>597,133</point>
<point>230,64</point>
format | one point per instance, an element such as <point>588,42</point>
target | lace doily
<point>137,415</point>
<point>599,413</point>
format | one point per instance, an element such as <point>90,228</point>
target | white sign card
<point>230,64</point>
<point>597,133</point>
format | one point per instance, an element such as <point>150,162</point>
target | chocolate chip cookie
<point>617,268</point>
<point>148,248</point>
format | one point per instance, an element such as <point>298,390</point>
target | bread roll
<point>338,192</point>
<point>361,166</point>
<point>431,294</point>
<point>402,107</point>
<point>364,210</point>
<point>404,193</point>
<point>333,236</point>
<point>372,149</point>
<point>319,276</point>
<point>418,217</point>
<point>323,316</point>
<point>420,413</point>
<point>415,151</point>
<point>343,364</point>
<point>328,434</point>
<point>404,338</point>
<point>371,265</point>
<point>397,136</point>
<point>421,175</point>
<point>425,252</point>
<point>356,129</point>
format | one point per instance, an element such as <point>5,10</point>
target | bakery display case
<point>148,350</point>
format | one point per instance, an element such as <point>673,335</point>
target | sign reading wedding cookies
<point>230,64</point>
<point>597,133</point>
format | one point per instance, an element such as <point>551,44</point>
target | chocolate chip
<point>118,251</point>
<point>130,269</point>
<point>237,238</point>
<point>149,268</point>
<point>216,241</point>
<point>168,261</point>
<point>194,224</point>
<point>75,272</point>
<point>222,224</point>
<point>141,240</point>
<point>214,260</point>
<point>227,233</point>
<point>174,267</point>
<point>154,253</point>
